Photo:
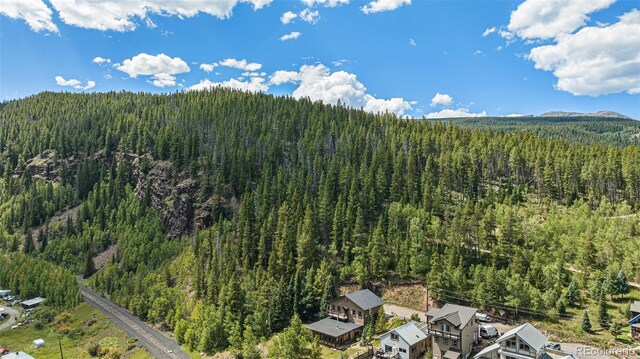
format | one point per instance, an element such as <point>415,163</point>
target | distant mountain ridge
<point>605,113</point>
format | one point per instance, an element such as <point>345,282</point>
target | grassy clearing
<point>79,330</point>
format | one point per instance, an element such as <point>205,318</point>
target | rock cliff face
<point>173,195</point>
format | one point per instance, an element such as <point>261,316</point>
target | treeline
<point>28,277</point>
<point>581,129</point>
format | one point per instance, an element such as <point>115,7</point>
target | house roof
<point>450,354</point>
<point>457,315</point>
<point>635,307</point>
<point>34,301</point>
<point>409,332</point>
<point>635,320</point>
<point>529,334</point>
<point>487,350</point>
<point>365,299</point>
<point>331,327</point>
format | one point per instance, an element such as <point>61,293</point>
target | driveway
<point>13,314</point>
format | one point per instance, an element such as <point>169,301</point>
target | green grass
<point>571,331</point>
<point>94,326</point>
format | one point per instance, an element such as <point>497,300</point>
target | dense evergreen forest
<point>577,129</point>
<point>221,214</point>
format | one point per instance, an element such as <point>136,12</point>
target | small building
<point>38,343</point>
<point>453,330</point>
<point>635,320</point>
<point>17,355</point>
<point>335,333</point>
<point>347,316</point>
<point>523,342</point>
<point>404,342</point>
<point>32,303</point>
<point>4,293</point>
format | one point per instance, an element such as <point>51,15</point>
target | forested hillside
<point>577,129</point>
<point>222,214</point>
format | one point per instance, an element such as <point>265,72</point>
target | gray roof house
<point>32,303</point>
<point>522,342</point>
<point>407,341</point>
<point>453,330</point>
<point>347,315</point>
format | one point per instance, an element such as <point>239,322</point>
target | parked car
<point>553,346</point>
<point>488,331</point>
<point>484,317</point>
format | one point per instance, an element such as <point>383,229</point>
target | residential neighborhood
<point>451,331</point>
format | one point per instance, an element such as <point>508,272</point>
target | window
<point>353,312</point>
<point>454,343</point>
<point>524,347</point>
<point>446,328</point>
<point>360,314</point>
<point>395,337</point>
<point>445,341</point>
<point>511,343</point>
<point>413,349</point>
<point>387,349</point>
<point>402,350</point>
<point>436,339</point>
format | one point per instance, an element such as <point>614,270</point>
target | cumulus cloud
<point>290,36</point>
<point>255,84</point>
<point>412,42</point>
<point>489,31</point>
<point>145,64</point>
<point>240,64</point>
<point>101,60</point>
<point>287,17</point>
<point>309,16</point>
<point>280,77</point>
<point>595,60</point>
<point>441,99</point>
<point>115,14</point>
<point>383,5</point>
<point>318,83</point>
<point>545,19</point>
<point>208,67</point>
<point>163,79</point>
<point>76,84</point>
<point>326,3</point>
<point>455,113</point>
<point>35,13</point>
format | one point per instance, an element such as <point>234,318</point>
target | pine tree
<point>603,315</point>
<point>573,295</point>
<point>616,329</point>
<point>586,322</point>
<point>89,265</point>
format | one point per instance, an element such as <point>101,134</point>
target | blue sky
<point>417,58</point>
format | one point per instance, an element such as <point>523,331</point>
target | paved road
<point>158,345</point>
<point>13,314</point>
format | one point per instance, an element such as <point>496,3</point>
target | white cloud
<point>506,35</point>
<point>254,74</point>
<point>240,64</point>
<point>489,31</point>
<point>595,60</point>
<point>318,83</point>
<point>326,3</point>
<point>145,64</point>
<point>76,84</point>
<point>101,60</point>
<point>383,5</point>
<point>516,115</point>
<point>280,77</point>
<point>290,36</point>
<point>412,42</point>
<point>287,17</point>
<point>35,13</point>
<point>208,67</point>
<point>547,19</point>
<point>441,99</point>
<point>124,15</point>
<point>255,84</point>
<point>309,16</point>
<point>163,79</point>
<point>451,113</point>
